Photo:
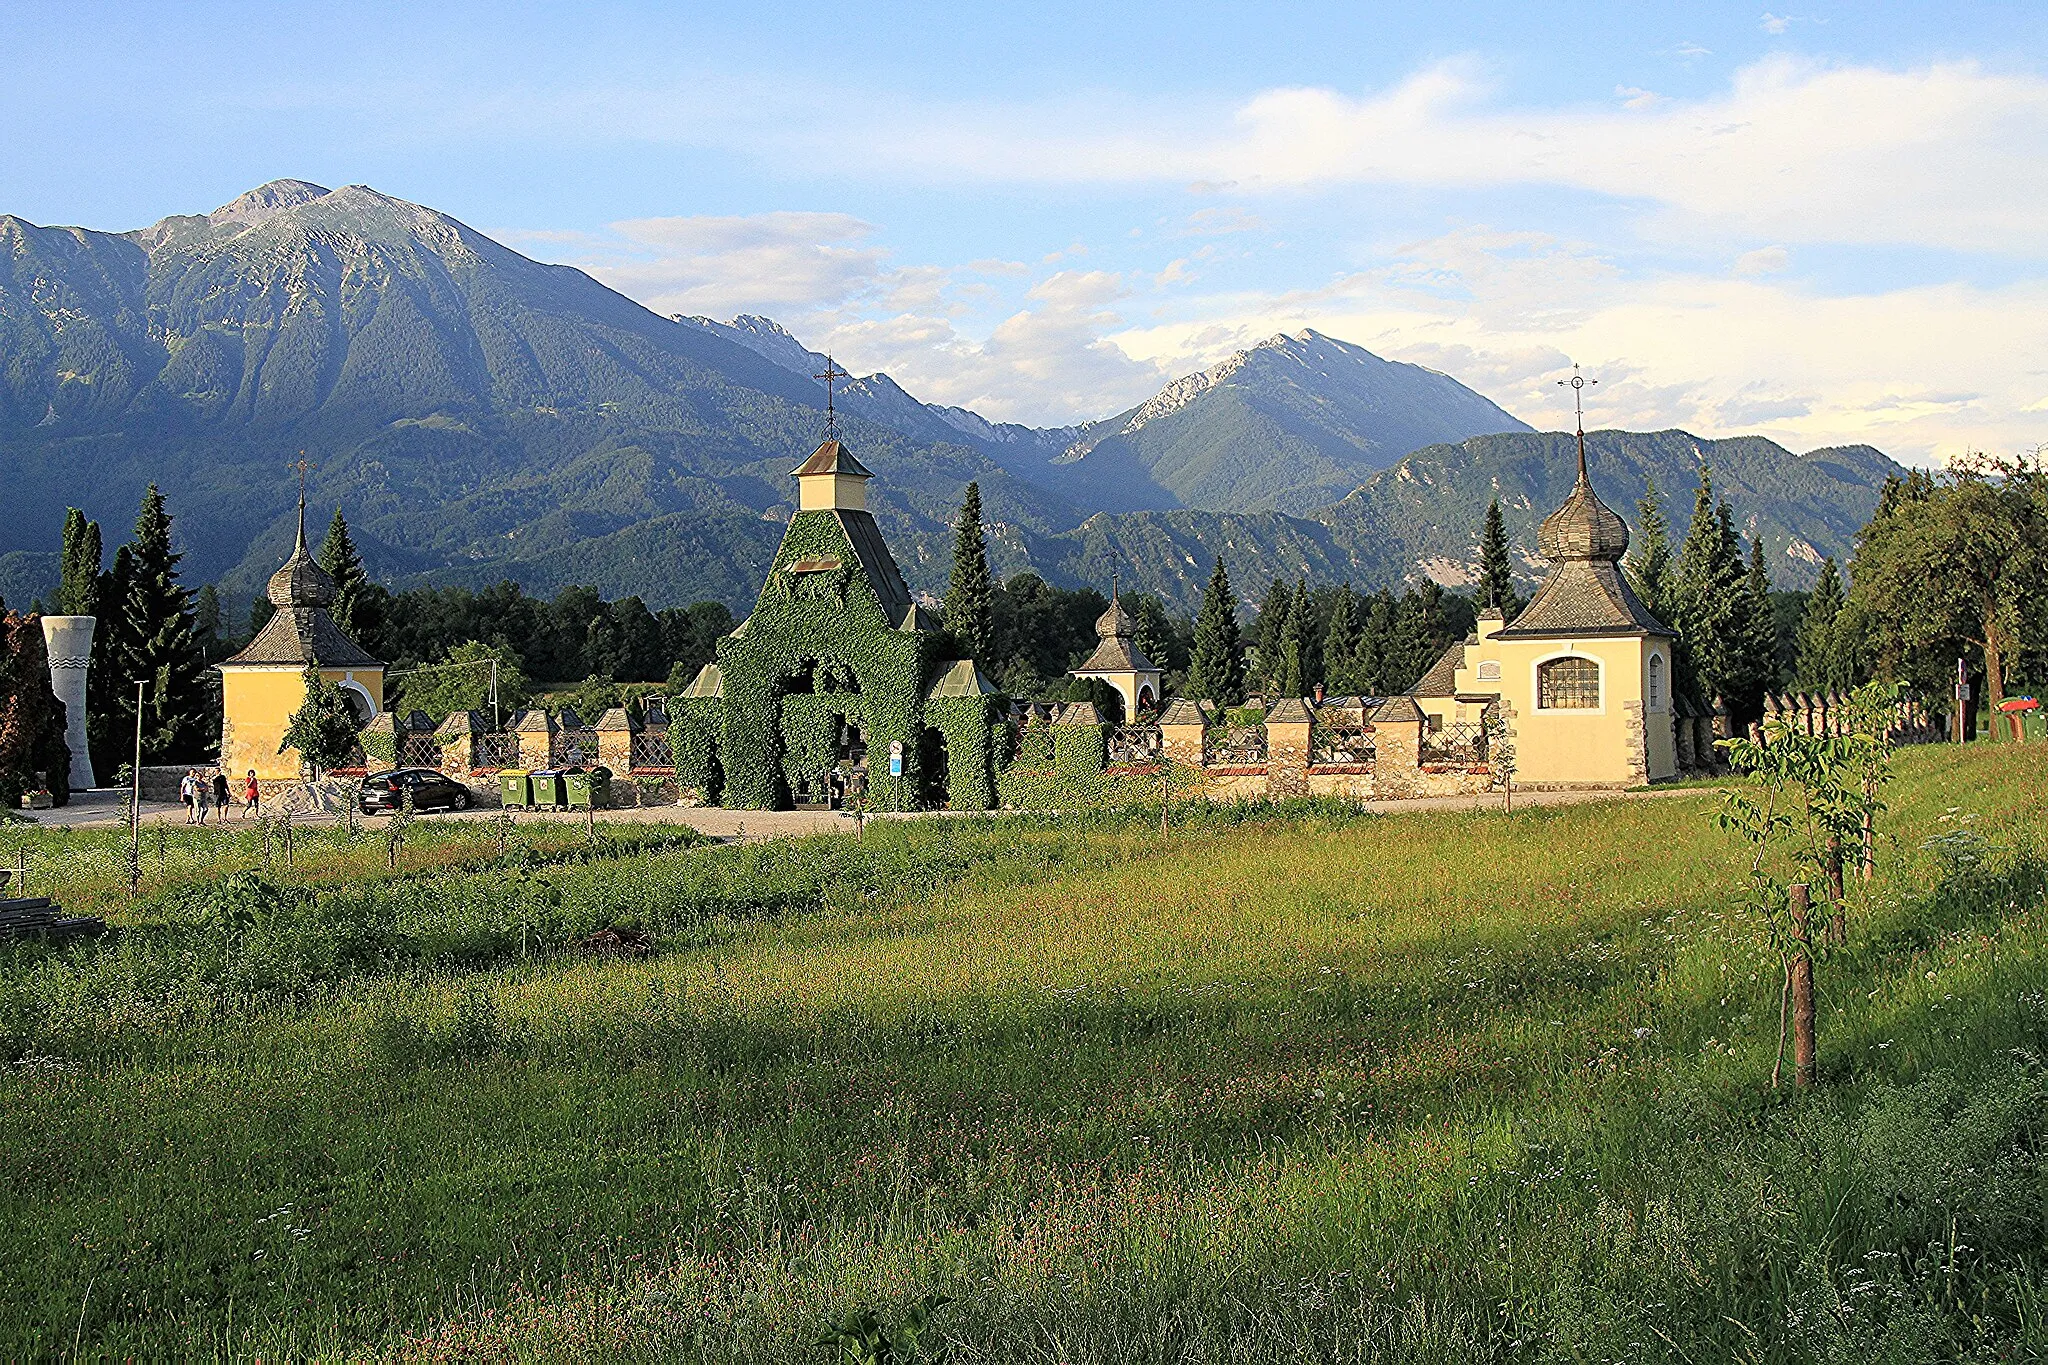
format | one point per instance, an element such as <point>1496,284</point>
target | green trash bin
<point>588,790</point>
<point>547,789</point>
<point>515,789</point>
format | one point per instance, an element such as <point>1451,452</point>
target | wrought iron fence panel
<point>575,749</point>
<point>651,750</point>
<point>499,750</point>
<point>419,751</point>
<point>1349,744</point>
<point>1461,741</point>
<point>1136,745</point>
<point>1234,745</point>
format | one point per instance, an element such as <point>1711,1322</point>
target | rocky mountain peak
<point>265,202</point>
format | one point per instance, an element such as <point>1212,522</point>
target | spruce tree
<point>344,565</point>
<point>1272,633</point>
<point>1340,644</point>
<point>1376,645</point>
<point>1496,570</point>
<point>1756,641</point>
<point>109,691</point>
<point>78,588</point>
<point>157,644</point>
<point>1216,670</point>
<point>1649,558</point>
<point>970,597</point>
<point>1288,680</point>
<point>1817,669</point>
<point>206,624</point>
<point>1705,590</point>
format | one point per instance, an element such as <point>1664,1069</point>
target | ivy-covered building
<point>838,685</point>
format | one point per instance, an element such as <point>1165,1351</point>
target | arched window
<point>1568,684</point>
<point>1653,683</point>
<point>1489,671</point>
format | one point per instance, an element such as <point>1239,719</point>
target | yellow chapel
<point>1582,675</point>
<point>264,686</point>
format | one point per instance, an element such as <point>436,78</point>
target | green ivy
<point>694,724</point>
<point>975,739</point>
<point>1080,749</point>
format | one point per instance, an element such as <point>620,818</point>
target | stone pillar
<point>536,731</point>
<point>615,731</point>
<point>1682,736</point>
<point>457,737</point>
<point>1287,749</point>
<point>1397,748</point>
<point>1181,727</point>
<point>68,639</point>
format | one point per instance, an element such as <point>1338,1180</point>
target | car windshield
<point>380,777</point>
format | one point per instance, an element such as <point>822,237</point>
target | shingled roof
<point>1118,652</point>
<point>302,634</point>
<point>1441,680</point>
<point>1586,593</point>
<point>833,458</point>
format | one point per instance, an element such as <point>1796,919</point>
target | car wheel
<point>460,801</point>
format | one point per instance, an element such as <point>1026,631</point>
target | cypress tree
<point>1496,570</point>
<point>78,589</point>
<point>970,597</point>
<point>1649,558</point>
<point>344,565</point>
<point>157,643</point>
<point>1216,671</point>
<point>1818,669</point>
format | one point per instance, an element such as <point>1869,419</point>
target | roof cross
<point>831,373</point>
<point>1578,383</point>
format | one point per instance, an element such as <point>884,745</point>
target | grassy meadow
<point>1290,1083</point>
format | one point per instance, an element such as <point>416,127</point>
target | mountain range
<point>482,415</point>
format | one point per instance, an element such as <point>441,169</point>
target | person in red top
<point>252,796</point>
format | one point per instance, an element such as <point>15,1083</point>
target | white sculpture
<point>69,642</point>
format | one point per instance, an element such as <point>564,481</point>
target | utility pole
<point>1962,700</point>
<point>135,799</point>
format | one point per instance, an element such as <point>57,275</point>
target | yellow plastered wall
<point>257,705</point>
<point>824,492</point>
<point>1626,739</point>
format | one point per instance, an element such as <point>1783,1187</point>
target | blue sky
<point>1825,224</point>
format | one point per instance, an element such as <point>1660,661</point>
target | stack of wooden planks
<point>36,915</point>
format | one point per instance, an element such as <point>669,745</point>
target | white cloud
<point>721,265</point>
<point>1949,154</point>
<point>1774,23</point>
<point>1922,372</point>
<point>1765,260</point>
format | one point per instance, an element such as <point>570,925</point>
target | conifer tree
<point>1376,645</point>
<point>1819,666</point>
<point>344,565</point>
<point>78,588</point>
<point>1272,633</point>
<point>970,597</point>
<point>156,642</point>
<point>110,692</point>
<point>1216,670</point>
<point>206,624</point>
<point>1649,558</point>
<point>1705,589</point>
<point>1756,645</point>
<point>1496,570</point>
<point>1340,643</point>
<point>1287,679</point>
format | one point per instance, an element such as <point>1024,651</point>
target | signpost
<point>895,758</point>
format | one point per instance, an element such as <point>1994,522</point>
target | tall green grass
<point>1288,1084</point>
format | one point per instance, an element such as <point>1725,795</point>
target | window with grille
<point>1568,684</point>
<point>1654,686</point>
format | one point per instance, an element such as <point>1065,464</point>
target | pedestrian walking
<point>221,801</point>
<point>188,790</point>
<point>252,796</point>
<point>202,797</point>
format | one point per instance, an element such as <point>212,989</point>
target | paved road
<point>101,808</point>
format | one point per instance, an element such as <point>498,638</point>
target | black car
<point>383,793</point>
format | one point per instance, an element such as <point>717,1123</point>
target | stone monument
<point>68,640</point>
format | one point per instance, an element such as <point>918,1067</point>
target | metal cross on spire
<point>831,374</point>
<point>303,465</point>
<point>1578,383</point>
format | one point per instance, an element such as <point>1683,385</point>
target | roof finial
<point>302,465</point>
<point>832,373</point>
<point>1578,384</point>
<point>1114,577</point>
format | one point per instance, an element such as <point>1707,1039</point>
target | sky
<point>1823,225</point>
